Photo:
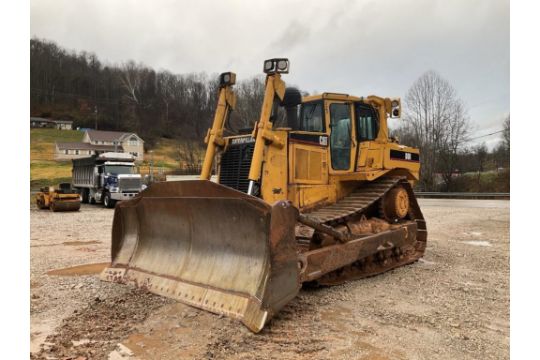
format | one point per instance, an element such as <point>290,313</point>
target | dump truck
<point>59,198</point>
<point>106,178</point>
<point>316,194</point>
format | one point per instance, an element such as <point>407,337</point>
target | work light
<point>282,65</point>
<point>268,65</point>
<point>396,108</point>
<point>228,78</point>
<point>272,66</point>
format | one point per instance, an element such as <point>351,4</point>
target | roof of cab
<point>330,96</point>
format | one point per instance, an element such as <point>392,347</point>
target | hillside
<point>167,155</point>
<point>155,104</point>
<point>44,170</point>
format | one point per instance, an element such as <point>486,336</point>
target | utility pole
<point>95,116</point>
<point>151,166</point>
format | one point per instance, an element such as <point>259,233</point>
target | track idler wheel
<point>395,204</point>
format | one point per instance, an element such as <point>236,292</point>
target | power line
<point>493,133</point>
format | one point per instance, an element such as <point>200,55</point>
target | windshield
<point>119,169</point>
<point>311,118</point>
<point>367,122</point>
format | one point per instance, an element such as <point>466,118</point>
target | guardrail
<point>462,195</point>
<point>419,194</point>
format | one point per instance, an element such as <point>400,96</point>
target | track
<point>366,201</point>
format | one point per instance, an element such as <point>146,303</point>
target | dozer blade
<point>208,246</point>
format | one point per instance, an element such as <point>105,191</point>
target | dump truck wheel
<point>107,201</point>
<point>85,196</point>
<point>395,204</point>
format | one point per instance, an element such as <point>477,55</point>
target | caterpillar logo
<point>242,140</point>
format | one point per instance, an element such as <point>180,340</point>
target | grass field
<point>45,170</point>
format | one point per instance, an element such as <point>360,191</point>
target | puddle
<point>86,269</point>
<point>477,243</point>
<point>76,243</point>
<point>69,243</point>
<point>45,245</point>
<point>39,330</point>
<point>175,323</point>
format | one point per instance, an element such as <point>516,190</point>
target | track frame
<point>364,255</point>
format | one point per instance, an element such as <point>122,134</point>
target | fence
<point>159,173</point>
<point>462,195</point>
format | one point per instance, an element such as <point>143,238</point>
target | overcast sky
<point>357,47</point>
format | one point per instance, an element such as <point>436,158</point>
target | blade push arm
<point>214,138</point>
<point>263,131</point>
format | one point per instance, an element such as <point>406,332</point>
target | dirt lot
<point>453,304</point>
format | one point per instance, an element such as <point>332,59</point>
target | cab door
<point>367,130</point>
<point>308,147</point>
<point>308,157</point>
<point>342,142</point>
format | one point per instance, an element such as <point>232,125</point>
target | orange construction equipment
<point>62,198</point>
<point>317,193</point>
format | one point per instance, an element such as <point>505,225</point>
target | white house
<point>99,141</point>
<point>76,150</point>
<point>38,122</point>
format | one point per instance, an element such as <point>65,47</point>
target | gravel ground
<point>452,304</point>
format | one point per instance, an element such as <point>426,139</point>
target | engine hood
<point>128,176</point>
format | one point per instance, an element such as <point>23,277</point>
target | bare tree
<point>131,80</point>
<point>436,121</point>
<point>481,153</point>
<point>248,109</point>
<point>166,87</point>
<point>506,134</point>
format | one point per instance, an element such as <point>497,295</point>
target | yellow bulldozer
<point>316,193</point>
<point>60,198</point>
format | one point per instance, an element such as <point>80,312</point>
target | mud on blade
<point>208,246</point>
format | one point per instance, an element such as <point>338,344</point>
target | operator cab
<point>338,121</point>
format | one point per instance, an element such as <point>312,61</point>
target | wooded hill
<point>78,86</point>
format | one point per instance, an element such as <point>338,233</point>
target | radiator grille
<point>235,164</point>
<point>128,184</point>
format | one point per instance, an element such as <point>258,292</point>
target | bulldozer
<point>60,198</point>
<point>317,193</point>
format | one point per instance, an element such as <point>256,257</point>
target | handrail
<point>435,194</point>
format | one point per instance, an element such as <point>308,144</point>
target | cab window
<point>367,122</point>
<point>311,117</point>
<point>340,136</point>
